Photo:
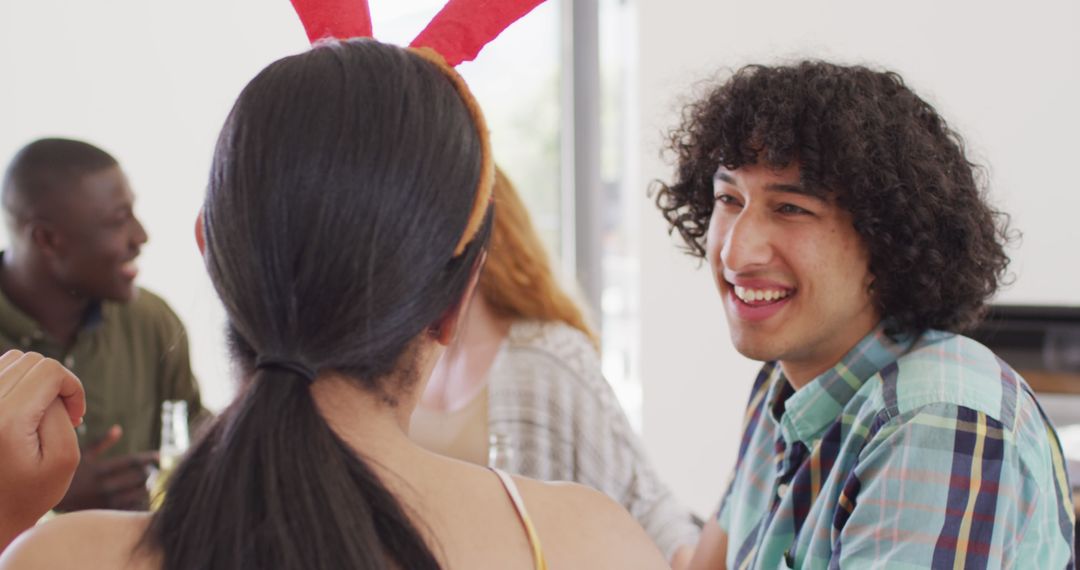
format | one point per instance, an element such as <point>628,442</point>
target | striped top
<point>539,563</point>
<point>917,453</point>
<point>550,402</point>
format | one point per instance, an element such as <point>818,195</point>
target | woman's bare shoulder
<point>580,527</point>
<point>87,539</point>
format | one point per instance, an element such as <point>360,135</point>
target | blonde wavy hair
<point>517,281</point>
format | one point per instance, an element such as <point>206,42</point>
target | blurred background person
<point>521,387</point>
<point>67,291</point>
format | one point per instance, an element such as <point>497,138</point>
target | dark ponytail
<point>341,183</point>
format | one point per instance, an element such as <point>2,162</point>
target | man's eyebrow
<point>724,177</point>
<point>811,192</point>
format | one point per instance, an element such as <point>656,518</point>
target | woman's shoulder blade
<point>86,539</point>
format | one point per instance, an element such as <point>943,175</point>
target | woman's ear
<point>200,233</point>
<point>444,329</point>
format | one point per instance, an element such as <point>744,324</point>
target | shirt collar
<point>94,316</point>
<point>15,323</point>
<point>804,414</point>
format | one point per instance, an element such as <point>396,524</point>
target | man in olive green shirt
<point>67,291</point>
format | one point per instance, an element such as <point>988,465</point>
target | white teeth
<point>758,295</point>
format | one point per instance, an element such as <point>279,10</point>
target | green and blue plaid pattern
<point>909,453</point>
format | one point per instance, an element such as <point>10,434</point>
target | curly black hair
<point>936,245</point>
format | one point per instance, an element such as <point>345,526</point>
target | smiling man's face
<point>792,271</point>
<point>99,237</point>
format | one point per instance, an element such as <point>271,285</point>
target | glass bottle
<point>174,442</point>
<point>500,451</point>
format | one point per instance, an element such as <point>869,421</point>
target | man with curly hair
<point>852,242</point>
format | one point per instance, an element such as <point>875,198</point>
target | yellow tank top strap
<point>519,505</point>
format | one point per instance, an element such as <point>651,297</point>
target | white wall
<point>1008,78</point>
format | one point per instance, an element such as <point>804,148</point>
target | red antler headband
<point>456,34</point>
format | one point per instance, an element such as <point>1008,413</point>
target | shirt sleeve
<point>941,486</point>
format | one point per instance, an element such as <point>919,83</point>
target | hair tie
<point>294,366</point>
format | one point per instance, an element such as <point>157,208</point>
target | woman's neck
<point>461,374</point>
<point>375,425</point>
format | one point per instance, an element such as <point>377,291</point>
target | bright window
<point>516,79</point>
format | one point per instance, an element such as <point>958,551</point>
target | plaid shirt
<point>922,453</point>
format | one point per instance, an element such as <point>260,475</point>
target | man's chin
<point>762,350</point>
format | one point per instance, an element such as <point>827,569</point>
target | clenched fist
<point>40,404</point>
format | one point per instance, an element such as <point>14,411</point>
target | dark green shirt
<point>130,357</point>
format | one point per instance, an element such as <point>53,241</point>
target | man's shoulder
<point>146,320</point>
<point>148,302</point>
<point>145,308</point>
<point>954,370</point>
<point>952,381</point>
<point>942,350</point>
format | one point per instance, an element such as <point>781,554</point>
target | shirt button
<point>781,490</point>
<point>69,361</point>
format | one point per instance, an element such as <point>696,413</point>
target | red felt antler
<point>463,27</point>
<point>342,19</point>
